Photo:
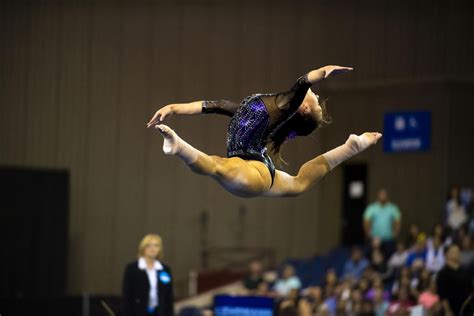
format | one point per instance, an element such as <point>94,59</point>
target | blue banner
<point>226,305</point>
<point>407,131</point>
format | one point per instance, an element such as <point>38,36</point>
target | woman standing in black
<point>147,283</point>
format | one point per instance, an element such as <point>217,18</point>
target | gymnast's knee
<point>300,185</point>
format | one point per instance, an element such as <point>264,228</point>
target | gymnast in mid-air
<point>261,120</point>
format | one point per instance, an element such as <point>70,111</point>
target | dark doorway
<point>34,207</point>
<point>354,203</point>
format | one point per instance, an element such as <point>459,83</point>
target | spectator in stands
<point>254,276</point>
<point>367,274</point>
<point>263,289</point>
<point>434,254</point>
<point>379,265</point>
<point>423,281</point>
<point>288,306</point>
<point>439,231</point>
<point>147,282</point>
<point>405,279</point>
<point>375,244</point>
<point>401,305</point>
<point>458,235</point>
<point>346,289</point>
<point>413,233</point>
<point>416,257</point>
<point>382,219</point>
<point>354,306</point>
<point>455,211</point>
<point>311,302</point>
<point>354,267</point>
<point>429,299</point>
<point>467,252</point>
<point>364,285</point>
<point>331,297</point>
<point>331,278</point>
<point>367,308</point>
<point>453,282</point>
<point>398,259</point>
<point>341,307</point>
<point>377,284</point>
<point>380,301</point>
<point>470,212</point>
<point>287,282</point>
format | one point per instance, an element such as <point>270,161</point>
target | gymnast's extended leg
<point>238,176</point>
<point>312,171</point>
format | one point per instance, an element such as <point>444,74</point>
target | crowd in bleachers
<point>426,272</point>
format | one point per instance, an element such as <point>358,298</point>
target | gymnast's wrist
<point>206,108</point>
<point>172,108</point>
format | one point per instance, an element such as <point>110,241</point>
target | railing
<point>221,266</point>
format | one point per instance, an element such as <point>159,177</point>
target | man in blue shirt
<point>356,265</point>
<point>382,219</point>
<point>417,257</point>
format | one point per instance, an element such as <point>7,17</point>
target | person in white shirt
<point>434,254</point>
<point>399,257</point>
<point>288,282</point>
<point>455,210</point>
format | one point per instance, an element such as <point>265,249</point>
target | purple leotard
<point>256,118</point>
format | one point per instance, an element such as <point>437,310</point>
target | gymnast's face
<point>311,104</point>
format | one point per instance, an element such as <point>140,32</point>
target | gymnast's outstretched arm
<point>326,71</point>
<point>312,171</point>
<point>223,107</point>
<point>291,100</point>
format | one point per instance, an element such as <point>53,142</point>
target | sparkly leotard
<point>256,118</point>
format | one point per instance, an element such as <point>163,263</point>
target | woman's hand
<point>160,115</point>
<point>334,70</point>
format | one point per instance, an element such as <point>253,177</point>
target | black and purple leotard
<point>256,118</point>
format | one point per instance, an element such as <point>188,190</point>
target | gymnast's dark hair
<point>298,125</point>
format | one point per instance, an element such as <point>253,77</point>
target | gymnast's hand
<point>334,70</point>
<point>175,108</point>
<point>160,115</point>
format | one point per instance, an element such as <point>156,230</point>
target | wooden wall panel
<point>431,30</point>
<point>43,80</point>
<point>73,134</point>
<point>370,40</point>
<point>103,125</point>
<point>132,218</point>
<point>459,60</point>
<point>400,22</point>
<point>14,57</point>
<point>161,178</point>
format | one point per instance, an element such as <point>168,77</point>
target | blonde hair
<point>146,240</point>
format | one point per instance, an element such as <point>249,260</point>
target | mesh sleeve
<point>223,107</point>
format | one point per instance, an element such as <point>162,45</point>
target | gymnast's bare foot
<point>170,139</point>
<point>363,141</point>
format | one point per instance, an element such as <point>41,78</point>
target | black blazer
<point>136,287</point>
